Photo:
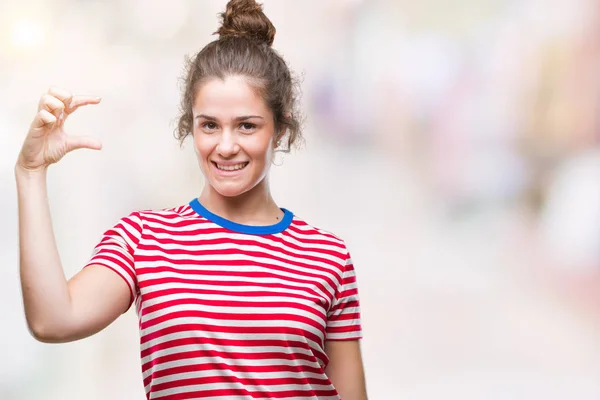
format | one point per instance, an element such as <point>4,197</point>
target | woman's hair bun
<point>245,18</point>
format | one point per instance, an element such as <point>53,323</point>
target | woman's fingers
<point>56,105</point>
<point>51,104</point>
<point>61,94</point>
<point>46,141</point>
<point>83,142</point>
<point>43,118</point>
<point>70,103</point>
<point>78,101</point>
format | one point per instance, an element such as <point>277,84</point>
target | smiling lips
<point>230,167</point>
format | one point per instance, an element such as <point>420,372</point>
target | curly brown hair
<point>244,48</point>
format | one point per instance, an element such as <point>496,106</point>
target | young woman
<point>237,298</point>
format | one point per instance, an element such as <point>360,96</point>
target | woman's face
<point>233,135</point>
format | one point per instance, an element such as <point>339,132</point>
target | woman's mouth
<point>230,167</point>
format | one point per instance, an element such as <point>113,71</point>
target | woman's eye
<point>246,126</point>
<point>209,126</point>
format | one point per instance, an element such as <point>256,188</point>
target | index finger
<point>79,101</point>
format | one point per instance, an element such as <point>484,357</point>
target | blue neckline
<point>241,228</point>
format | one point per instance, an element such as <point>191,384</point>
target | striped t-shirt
<point>232,311</point>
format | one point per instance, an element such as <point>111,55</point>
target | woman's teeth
<point>231,167</point>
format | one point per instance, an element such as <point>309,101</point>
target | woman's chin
<point>230,190</point>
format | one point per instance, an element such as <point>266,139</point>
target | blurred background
<point>454,145</point>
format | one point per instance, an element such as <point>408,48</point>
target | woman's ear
<point>279,137</point>
<point>281,133</point>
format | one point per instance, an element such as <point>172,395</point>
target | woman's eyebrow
<point>205,117</point>
<point>240,118</point>
<point>245,117</point>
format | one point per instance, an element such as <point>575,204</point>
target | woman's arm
<point>345,369</point>
<point>57,310</point>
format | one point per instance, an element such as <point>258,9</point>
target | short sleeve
<point>116,251</point>
<point>343,318</point>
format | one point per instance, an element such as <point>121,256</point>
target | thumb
<point>83,142</point>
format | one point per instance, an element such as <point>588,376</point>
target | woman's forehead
<point>228,91</point>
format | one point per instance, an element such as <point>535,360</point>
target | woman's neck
<point>255,207</point>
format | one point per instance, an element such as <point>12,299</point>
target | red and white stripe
<point>232,315</point>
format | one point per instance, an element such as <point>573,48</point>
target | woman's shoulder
<point>301,227</point>
<point>169,213</point>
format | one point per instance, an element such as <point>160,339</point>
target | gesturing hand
<point>47,142</point>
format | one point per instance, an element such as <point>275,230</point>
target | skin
<point>232,125</point>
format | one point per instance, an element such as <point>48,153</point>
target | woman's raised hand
<point>47,142</point>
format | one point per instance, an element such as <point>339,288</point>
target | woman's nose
<point>227,145</point>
